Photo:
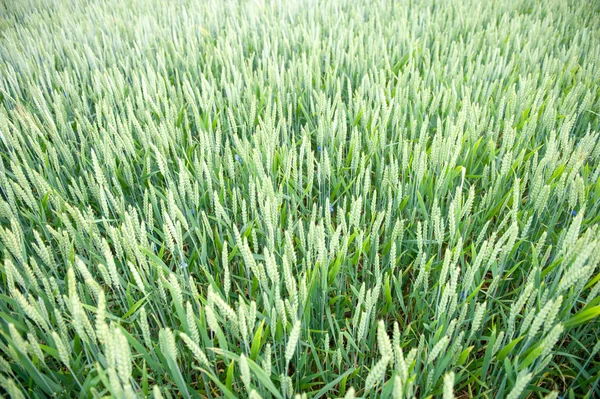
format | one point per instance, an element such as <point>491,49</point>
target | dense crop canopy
<point>261,198</point>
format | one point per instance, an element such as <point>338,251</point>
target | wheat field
<point>299,199</point>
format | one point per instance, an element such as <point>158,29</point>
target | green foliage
<point>315,199</point>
